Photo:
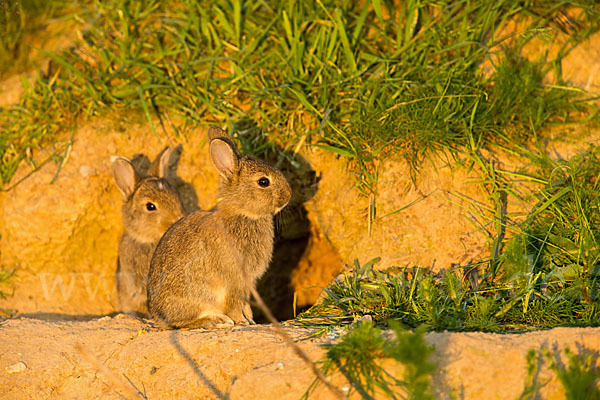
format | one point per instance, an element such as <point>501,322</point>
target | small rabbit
<point>150,207</point>
<point>205,264</point>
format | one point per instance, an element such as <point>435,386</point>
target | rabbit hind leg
<point>214,321</point>
<point>209,318</point>
<point>131,294</point>
<point>241,314</point>
<point>182,312</point>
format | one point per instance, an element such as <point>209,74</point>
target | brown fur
<point>143,228</point>
<point>205,264</point>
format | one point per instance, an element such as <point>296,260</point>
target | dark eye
<point>150,207</point>
<point>264,182</point>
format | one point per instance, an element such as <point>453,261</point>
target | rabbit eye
<point>150,207</point>
<point>264,182</point>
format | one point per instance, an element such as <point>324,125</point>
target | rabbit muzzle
<point>283,198</point>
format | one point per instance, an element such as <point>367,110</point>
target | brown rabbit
<point>150,207</point>
<point>205,264</point>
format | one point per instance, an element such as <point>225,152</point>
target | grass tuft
<point>579,377</point>
<point>358,356</point>
<point>558,249</point>
<point>453,301</point>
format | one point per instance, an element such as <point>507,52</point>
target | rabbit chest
<point>253,241</point>
<point>135,256</point>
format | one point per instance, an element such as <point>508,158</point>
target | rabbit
<point>205,265</point>
<point>150,206</point>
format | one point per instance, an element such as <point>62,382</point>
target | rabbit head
<point>249,187</point>
<point>150,204</point>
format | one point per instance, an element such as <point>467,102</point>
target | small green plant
<point>532,387</point>
<point>5,274</point>
<point>358,356</point>
<point>579,378</point>
<point>359,353</point>
<point>411,350</point>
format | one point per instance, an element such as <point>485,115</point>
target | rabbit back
<point>182,292</point>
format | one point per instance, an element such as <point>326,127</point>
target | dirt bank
<point>44,361</point>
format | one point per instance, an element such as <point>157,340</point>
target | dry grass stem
<point>110,375</point>
<point>277,326</point>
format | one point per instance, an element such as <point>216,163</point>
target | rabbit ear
<point>224,157</point>
<point>160,164</point>
<point>125,176</point>
<point>215,132</point>
<point>218,133</point>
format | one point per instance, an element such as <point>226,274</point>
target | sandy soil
<point>160,364</point>
<point>64,359</point>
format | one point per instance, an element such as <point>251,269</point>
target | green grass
<point>561,236</point>
<point>579,377</point>
<point>414,297</point>
<point>358,356</point>
<point>546,274</point>
<point>365,80</point>
<point>21,20</point>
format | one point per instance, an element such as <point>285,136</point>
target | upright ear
<point>224,157</point>
<point>215,132</point>
<point>125,176</point>
<point>160,164</point>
